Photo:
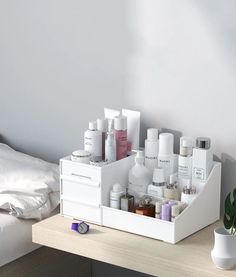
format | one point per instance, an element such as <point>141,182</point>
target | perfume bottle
<point>145,207</point>
<point>127,202</point>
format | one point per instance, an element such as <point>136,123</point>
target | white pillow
<point>29,187</point>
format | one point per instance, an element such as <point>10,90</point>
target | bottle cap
<point>166,144</point>
<point>92,125</point>
<point>175,210</point>
<point>158,175</point>
<point>203,142</point>
<point>186,146</point>
<point>152,134</point>
<point>117,188</point>
<point>102,124</point>
<point>120,123</point>
<point>139,158</point>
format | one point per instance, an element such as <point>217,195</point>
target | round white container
<point>224,251</point>
<point>81,156</point>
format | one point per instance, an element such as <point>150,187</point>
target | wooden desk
<point>190,257</point>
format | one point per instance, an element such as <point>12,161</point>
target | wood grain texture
<point>190,257</point>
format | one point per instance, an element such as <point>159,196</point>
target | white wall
<point>182,71</point>
<point>61,62</point>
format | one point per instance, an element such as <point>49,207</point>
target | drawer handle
<point>81,181</point>
<point>81,176</point>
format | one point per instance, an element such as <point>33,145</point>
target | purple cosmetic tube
<point>165,212</point>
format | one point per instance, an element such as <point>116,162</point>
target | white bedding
<point>29,187</point>
<point>15,238</point>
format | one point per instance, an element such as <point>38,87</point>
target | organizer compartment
<point>204,210</point>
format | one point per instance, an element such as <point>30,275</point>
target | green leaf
<point>228,222</point>
<point>230,211</point>
<point>229,208</point>
<point>234,194</point>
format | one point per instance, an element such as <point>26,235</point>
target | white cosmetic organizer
<point>85,191</point>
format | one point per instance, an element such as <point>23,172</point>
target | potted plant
<point>224,251</point>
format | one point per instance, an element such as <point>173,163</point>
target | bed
<point>29,191</point>
<point>15,238</point>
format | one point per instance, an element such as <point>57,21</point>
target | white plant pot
<point>224,251</point>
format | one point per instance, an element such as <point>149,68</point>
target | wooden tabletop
<point>190,257</point>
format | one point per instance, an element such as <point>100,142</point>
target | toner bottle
<point>151,149</point>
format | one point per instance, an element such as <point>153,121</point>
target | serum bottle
<point>151,149</point>
<point>185,160</point>
<point>102,125</point>
<point>120,131</point>
<point>139,177</point>
<point>202,159</point>
<point>93,142</point>
<point>166,157</point>
<point>156,189</point>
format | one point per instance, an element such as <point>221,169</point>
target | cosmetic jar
<point>81,156</point>
<point>99,163</point>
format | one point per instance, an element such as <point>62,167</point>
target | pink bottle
<point>120,131</point>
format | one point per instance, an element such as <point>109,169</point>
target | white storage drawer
<point>81,211</point>
<point>85,191</point>
<point>84,171</point>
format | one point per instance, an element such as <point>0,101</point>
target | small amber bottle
<point>145,207</point>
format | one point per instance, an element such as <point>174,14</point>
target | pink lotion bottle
<point>120,131</point>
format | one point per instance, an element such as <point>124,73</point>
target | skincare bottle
<point>166,157</point>
<point>127,202</point>
<point>151,148</point>
<point>156,189</point>
<point>110,148</point>
<point>188,194</point>
<point>115,196</point>
<point>93,142</point>
<point>166,212</point>
<point>172,191</point>
<point>202,159</point>
<point>145,207</point>
<point>120,131</point>
<point>175,211</point>
<point>185,160</point>
<point>102,125</point>
<point>139,177</point>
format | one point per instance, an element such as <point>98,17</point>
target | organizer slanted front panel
<point>85,193</point>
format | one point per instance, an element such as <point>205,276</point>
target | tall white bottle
<point>139,178</point>
<point>185,160</point>
<point>93,142</point>
<point>166,157</point>
<point>202,160</point>
<point>110,148</point>
<point>151,149</point>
